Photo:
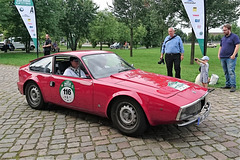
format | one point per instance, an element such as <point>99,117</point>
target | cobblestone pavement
<point>59,133</point>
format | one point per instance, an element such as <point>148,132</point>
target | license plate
<point>204,116</point>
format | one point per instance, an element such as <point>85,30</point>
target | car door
<point>73,92</point>
<point>42,70</point>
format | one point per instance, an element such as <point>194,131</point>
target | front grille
<point>192,109</point>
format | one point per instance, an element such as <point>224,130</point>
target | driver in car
<point>74,70</point>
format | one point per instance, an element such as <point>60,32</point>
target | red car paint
<point>160,103</point>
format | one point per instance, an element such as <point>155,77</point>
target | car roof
<point>82,52</point>
<point>79,54</point>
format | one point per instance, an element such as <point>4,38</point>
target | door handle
<point>52,84</point>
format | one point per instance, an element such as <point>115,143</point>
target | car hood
<point>158,84</point>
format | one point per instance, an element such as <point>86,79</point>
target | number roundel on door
<point>67,91</point>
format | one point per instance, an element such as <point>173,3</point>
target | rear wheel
<point>128,116</point>
<point>34,96</point>
<point>32,48</point>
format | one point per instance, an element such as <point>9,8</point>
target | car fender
<point>35,80</point>
<point>130,94</point>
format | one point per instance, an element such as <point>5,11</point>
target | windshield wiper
<point>125,69</point>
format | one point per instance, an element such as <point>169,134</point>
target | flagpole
<point>36,25</point>
<point>205,29</point>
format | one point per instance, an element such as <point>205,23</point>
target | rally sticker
<point>67,91</point>
<point>177,85</point>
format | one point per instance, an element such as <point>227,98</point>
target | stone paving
<point>59,133</point>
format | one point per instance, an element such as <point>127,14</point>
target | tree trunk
<point>101,45</point>
<point>75,44</point>
<point>67,42</point>
<point>192,47</point>
<point>131,42</point>
<point>27,46</point>
<point>72,43</point>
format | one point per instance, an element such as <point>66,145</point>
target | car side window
<point>63,62</point>
<point>43,65</point>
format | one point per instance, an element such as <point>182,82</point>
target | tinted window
<point>17,39</point>
<point>43,65</point>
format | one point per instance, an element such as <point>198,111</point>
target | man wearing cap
<point>73,70</point>
<point>228,53</point>
<point>173,49</point>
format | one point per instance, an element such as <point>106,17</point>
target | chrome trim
<point>198,118</point>
<point>188,105</point>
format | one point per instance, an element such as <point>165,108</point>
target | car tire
<point>34,96</point>
<point>32,48</point>
<point>128,116</point>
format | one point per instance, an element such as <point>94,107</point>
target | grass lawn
<point>145,59</point>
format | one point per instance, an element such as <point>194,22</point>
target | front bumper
<point>199,118</point>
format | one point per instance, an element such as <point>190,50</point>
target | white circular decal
<point>67,91</point>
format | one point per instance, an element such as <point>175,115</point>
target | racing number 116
<point>67,91</point>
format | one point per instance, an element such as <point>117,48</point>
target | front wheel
<point>128,116</point>
<point>34,96</point>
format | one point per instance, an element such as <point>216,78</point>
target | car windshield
<point>104,65</point>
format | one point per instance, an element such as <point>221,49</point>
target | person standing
<point>47,45</point>
<point>174,53</point>
<point>227,54</point>
<point>203,62</point>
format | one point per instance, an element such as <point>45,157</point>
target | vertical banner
<point>196,13</point>
<point>27,12</point>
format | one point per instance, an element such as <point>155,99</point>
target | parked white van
<point>16,41</point>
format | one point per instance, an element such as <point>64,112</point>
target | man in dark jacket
<point>47,45</point>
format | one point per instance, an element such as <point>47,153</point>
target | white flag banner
<point>196,13</point>
<point>27,12</point>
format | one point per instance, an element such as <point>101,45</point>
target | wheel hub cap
<point>34,93</point>
<point>128,115</point>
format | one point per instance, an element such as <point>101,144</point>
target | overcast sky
<point>103,5</point>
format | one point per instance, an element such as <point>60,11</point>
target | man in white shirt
<point>73,70</point>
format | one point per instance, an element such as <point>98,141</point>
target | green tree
<point>123,33</point>
<point>48,18</point>
<point>218,38</point>
<point>76,17</point>
<point>236,29</point>
<point>103,28</point>
<point>218,12</point>
<point>48,14</point>
<point>12,24</point>
<point>181,34</point>
<point>129,12</point>
<point>139,33</point>
<point>158,17</point>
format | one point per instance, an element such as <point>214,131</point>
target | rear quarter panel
<point>41,79</point>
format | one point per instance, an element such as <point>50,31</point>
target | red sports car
<point>108,86</point>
